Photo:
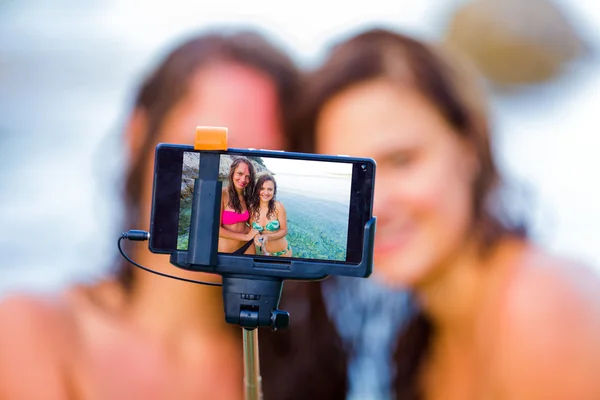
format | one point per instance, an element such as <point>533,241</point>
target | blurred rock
<point>515,42</point>
<point>225,166</point>
<point>190,171</point>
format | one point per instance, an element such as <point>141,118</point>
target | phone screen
<point>273,204</point>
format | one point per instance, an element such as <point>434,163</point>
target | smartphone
<point>274,204</point>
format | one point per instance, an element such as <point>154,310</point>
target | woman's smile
<point>241,183</point>
<point>266,196</point>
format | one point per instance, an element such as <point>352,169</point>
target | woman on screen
<point>235,236</point>
<point>269,219</point>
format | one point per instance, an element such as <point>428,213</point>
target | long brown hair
<point>234,200</point>
<point>289,358</point>
<point>454,90</point>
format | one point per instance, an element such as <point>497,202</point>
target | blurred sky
<point>69,68</point>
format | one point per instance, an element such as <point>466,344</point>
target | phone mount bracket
<point>251,286</point>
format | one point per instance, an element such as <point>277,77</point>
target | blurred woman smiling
<point>497,317</point>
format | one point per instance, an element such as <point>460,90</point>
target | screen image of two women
<point>253,221</point>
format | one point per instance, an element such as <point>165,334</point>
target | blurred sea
<point>317,226</point>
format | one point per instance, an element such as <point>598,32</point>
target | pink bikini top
<point>232,217</point>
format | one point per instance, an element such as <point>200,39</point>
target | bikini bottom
<point>282,252</point>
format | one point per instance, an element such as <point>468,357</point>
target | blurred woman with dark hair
<point>496,317</point>
<point>137,335</point>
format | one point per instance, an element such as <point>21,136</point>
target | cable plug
<point>136,235</point>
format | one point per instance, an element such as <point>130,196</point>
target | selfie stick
<point>251,287</point>
<point>204,226</point>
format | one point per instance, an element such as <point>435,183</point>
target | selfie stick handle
<point>252,378</point>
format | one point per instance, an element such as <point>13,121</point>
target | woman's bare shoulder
<point>550,325</point>
<point>542,279</point>
<point>34,338</point>
<point>224,195</point>
<point>36,319</point>
<point>56,315</point>
<point>19,311</point>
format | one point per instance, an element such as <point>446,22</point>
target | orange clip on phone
<point>210,138</point>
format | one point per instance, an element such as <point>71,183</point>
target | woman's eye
<point>400,160</point>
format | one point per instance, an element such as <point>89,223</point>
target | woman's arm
<point>282,217</point>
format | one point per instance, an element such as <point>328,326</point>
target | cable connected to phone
<point>140,236</point>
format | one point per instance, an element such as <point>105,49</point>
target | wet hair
<point>234,200</point>
<point>255,202</point>
<point>453,89</point>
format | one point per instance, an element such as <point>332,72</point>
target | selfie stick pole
<point>252,303</point>
<point>252,378</point>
